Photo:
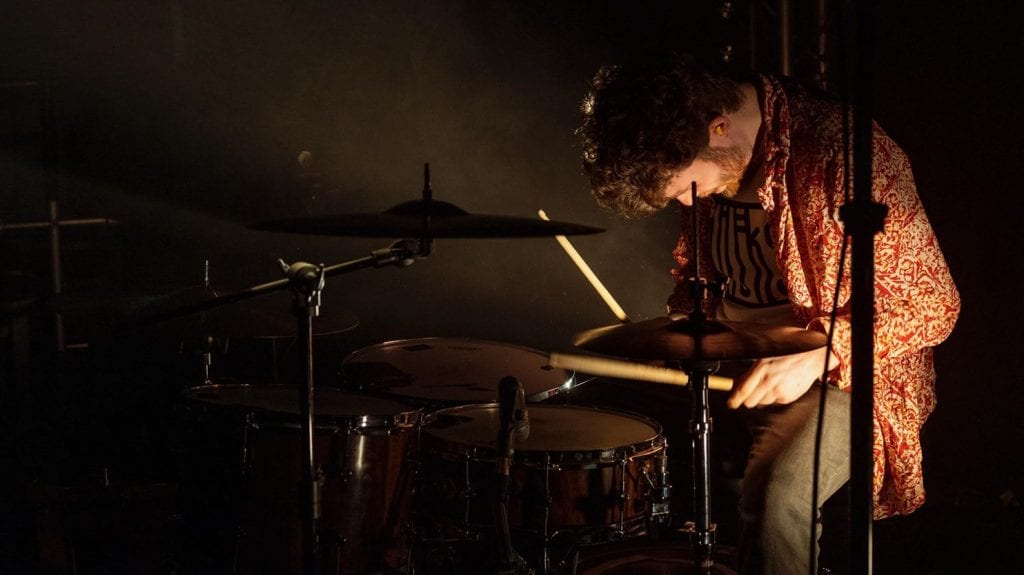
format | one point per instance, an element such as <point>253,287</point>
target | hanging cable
<point>833,316</point>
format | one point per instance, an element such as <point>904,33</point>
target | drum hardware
<point>306,281</point>
<point>258,319</point>
<point>513,421</point>
<point>568,488</point>
<point>696,345</point>
<point>425,220</point>
<point>661,487</point>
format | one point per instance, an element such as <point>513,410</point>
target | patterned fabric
<point>916,303</point>
<point>741,249</point>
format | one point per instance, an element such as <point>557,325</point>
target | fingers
<point>763,394</point>
<point>773,380</point>
<point>747,386</point>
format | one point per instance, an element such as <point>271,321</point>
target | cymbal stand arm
<point>400,254</point>
<point>307,282</point>
<point>702,531</point>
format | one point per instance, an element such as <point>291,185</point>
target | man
<point>769,163</point>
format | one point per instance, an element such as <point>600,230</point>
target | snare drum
<point>581,470</point>
<point>362,447</point>
<point>437,371</point>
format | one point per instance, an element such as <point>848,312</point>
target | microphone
<point>512,424</point>
<point>509,392</point>
<point>512,413</point>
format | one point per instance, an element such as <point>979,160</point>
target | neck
<point>747,119</point>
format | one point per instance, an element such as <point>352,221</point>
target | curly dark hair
<point>642,121</point>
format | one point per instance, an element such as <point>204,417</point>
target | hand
<point>779,379</point>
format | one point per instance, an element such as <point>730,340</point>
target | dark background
<point>183,120</point>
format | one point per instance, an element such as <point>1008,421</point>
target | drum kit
<point>437,455</point>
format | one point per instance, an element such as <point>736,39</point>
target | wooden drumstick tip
<point>589,274</point>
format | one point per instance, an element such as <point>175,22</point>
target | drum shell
<point>607,489</point>
<point>365,483</point>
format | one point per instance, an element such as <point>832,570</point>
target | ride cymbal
<point>419,218</point>
<point>677,338</point>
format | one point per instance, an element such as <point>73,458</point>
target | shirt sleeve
<point>916,301</point>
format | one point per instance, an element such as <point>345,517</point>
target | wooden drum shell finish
<point>362,447</point>
<point>580,468</point>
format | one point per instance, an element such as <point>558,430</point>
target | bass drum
<point>646,557</point>
<point>362,447</point>
<point>582,475</point>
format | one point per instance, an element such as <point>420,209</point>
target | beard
<point>732,162</point>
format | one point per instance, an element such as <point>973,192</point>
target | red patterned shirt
<point>916,303</point>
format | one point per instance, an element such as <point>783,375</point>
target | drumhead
<point>451,370</point>
<point>328,404</point>
<point>553,428</point>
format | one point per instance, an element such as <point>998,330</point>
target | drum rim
<point>261,416</point>
<point>393,342</point>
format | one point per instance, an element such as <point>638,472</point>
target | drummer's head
<point>648,120</point>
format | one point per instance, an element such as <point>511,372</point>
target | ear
<point>718,128</point>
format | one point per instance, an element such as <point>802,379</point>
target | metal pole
<point>310,500</point>
<point>785,55</point>
<point>56,279</point>
<point>864,219</point>
<point>821,70</point>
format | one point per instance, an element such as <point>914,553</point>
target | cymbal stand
<point>307,283</point>
<point>701,530</point>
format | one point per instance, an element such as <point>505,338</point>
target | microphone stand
<point>511,417</point>
<point>864,218</point>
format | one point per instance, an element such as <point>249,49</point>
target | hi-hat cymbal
<point>418,218</point>
<point>678,338</point>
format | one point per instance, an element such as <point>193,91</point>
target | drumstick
<point>628,370</point>
<point>589,274</point>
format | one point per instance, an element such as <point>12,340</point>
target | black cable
<point>823,393</point>
<point>819,430</point>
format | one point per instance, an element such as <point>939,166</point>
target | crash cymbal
<point>678,338</point>
<point>267,317</point>
<point>406,220</point>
